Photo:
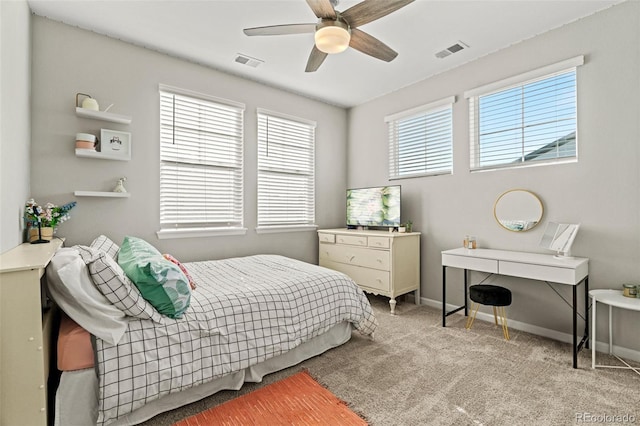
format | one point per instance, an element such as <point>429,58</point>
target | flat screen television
<point>377,206</point>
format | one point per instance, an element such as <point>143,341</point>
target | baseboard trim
<point>621,351</point>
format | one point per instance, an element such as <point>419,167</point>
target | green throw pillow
<point>160,282</point>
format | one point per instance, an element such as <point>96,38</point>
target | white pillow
<point>72,288</point>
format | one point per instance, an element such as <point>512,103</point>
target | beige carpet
<point>417,373</point>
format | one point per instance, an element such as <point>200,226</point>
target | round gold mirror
<point>518,210</point>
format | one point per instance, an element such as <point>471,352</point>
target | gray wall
<point>15,123</point>
<point>600,191</point>
<point>67,60</point>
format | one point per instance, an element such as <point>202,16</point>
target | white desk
<point>613,298</point>
<point>535,266</point>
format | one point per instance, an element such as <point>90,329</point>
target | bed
<point>248,317</point>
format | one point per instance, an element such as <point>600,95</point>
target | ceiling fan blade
<point>367,11</point>
<point>371,46</point>
<point>316,58</point>
<point>281,29</point>
<point>322,8</point>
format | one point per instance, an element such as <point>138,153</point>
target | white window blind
<point>531,119</point>
<point>421,140</point>
<point>201,142</point>
<point>286,170</point>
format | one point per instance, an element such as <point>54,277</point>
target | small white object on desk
<point>611,298</point>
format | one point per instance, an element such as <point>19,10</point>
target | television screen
<point>379,206</point>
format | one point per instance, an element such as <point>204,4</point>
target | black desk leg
<point>586,312</point>
<point>575,326</point>
<point>465,293</point>
<point>444,296</point>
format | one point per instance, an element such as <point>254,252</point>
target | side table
<point>611,298</point>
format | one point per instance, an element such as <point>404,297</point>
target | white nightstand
<point>611,298</point>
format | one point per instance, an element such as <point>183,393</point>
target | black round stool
<point>490,295</point>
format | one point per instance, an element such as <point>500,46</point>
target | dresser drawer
<point>327,238</point>
<point>369,258</point>
<point>379,242</point>
<point>353,240</point>
<point>368,279</point>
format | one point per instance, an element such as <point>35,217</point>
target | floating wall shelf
<point>102,194</point>
<point>101,115</point>
<point>88,153</point>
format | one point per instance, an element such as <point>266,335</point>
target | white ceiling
<point>210,33</point>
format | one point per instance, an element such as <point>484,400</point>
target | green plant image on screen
<point>379,206</point>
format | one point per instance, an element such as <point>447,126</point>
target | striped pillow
<point>111,280</point>
<point>103,243</point>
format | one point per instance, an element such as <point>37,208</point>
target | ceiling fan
<point>336,31</point>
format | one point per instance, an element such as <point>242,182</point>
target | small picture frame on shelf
<point>115,143</point>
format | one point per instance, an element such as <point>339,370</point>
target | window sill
<point>567,160</point>
<point>166,234</point>
<point>285,228</point>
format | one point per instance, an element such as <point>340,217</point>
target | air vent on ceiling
<point>451,49</point>
<point>248,60</point>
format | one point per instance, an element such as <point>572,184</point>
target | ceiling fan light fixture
<point>332,36</point>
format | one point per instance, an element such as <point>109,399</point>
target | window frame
<point>169,232</point>
<point>540,74</point>
<point>286,227</point>
<point>423,110</point>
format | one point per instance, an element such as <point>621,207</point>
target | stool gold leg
<point>505,328</point>
<point>472,316</point>
<point>495,318</point>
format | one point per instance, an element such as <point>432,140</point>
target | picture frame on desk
<point>115,143</point>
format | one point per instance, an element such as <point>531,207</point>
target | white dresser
<point>380,262</point>
<point>26,334</point>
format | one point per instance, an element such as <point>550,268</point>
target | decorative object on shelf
<point>88,102</point>
<point>629,290</point>
<point>408,225</point>
<point>45,218</point>
<point>86,141</point>
<point>115,143</point>
<point>518,210</point>
<point>120,185</point>
<point>402,229</point>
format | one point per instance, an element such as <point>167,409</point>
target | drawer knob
<point>42,410</point>
<point>31,339</point>
<point>379,280</point>
<point>379,260</point>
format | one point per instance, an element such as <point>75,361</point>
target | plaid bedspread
<point>244,311</point>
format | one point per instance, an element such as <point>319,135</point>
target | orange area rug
<point>296,400</point>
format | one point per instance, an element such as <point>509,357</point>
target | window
<point>527,119</point>
<point>286,163</point>
<point>421,141</point>
<point>201,141</point>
